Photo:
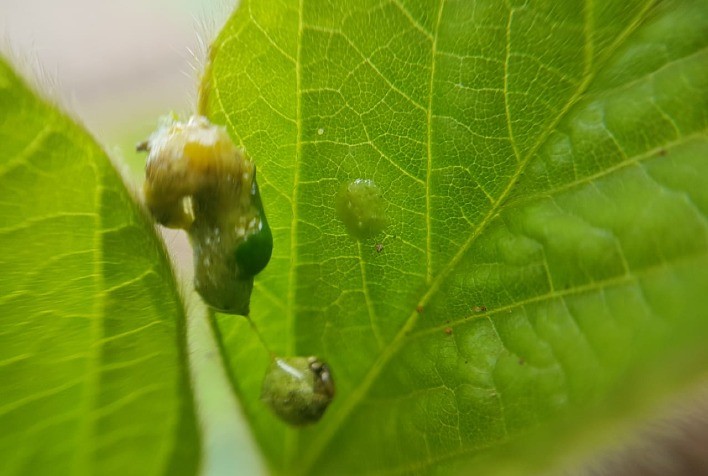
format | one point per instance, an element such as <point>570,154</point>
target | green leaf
<point>92,329</point>
<point>544,168</point>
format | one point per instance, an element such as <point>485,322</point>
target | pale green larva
<point>198,180</point>
<point>298,389</point>
<point>362,208</point>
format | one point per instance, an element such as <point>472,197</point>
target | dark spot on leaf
<point>419,309</point>
<point>521,361</point>
<point>379,247</point>
<point>448,330</point>
<point>480,308</point>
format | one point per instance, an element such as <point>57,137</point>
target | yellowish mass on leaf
<point>198,180</point>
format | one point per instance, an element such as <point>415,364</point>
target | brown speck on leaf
<point>480,308</point>
<point>662,152</point>
<point>522,361</point>
<point>419,309</point>
<point>379,247</point>
<point>448,330</point>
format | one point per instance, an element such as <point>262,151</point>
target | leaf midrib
<point>292,440</point>
<point>429,161</point>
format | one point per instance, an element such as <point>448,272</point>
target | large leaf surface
<point>93,373</point>
<point>545,168</point>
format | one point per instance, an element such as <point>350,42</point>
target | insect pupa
<point>298,389</point>
<point>198,180</point>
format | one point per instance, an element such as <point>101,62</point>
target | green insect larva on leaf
<point>298,389</point>
<point>362,209</point>
<point>197,179</point>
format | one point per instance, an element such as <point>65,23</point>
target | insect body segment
<point>199,181</point>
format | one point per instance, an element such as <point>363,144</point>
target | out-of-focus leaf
<point>93,371</point>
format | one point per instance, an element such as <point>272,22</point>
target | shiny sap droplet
<point>362,208</point>
<point>298,389</point>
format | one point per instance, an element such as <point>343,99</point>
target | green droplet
<point>254,253</point>
<point>298,389</point>
<point>362,209</point>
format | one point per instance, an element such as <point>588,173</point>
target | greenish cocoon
<point>362,209</point>
<point>298,389</point>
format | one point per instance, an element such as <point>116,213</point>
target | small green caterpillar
<point>197,179</point>
<point>298,389</point>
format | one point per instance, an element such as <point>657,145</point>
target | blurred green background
<point>116,66</point>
